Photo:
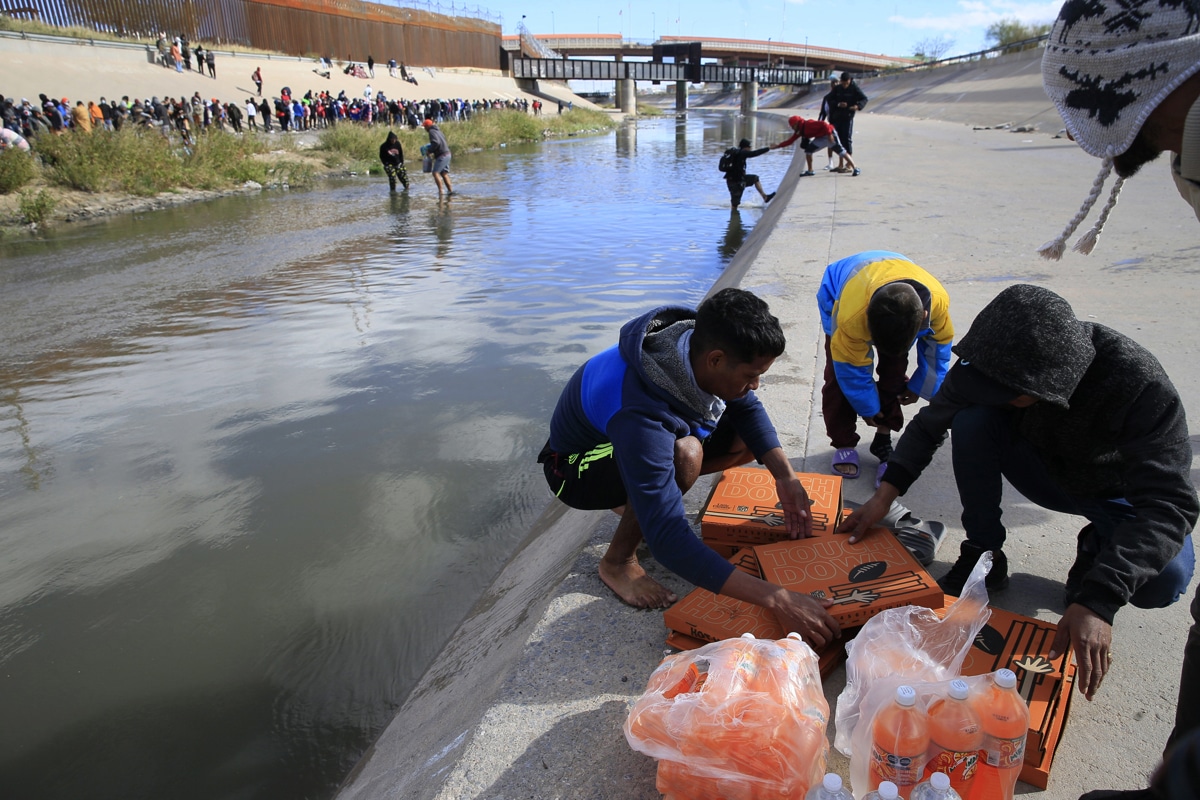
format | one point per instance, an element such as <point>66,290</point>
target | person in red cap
<point>440,150</point>
<point>815,135</point>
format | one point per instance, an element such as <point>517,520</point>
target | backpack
<point>726,162</point>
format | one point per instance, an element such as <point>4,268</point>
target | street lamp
<point>806,52</point>
<point>653,26</point>
<point>768,52</point>
<point>552,29</point>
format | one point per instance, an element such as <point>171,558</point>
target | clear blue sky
<point>872,26</point>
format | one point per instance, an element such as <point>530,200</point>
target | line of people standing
<point>178,53</point>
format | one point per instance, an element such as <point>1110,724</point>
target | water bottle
<point>829,789</point>
<point>1004,718</point>
<point>886,791</point>
<point>899,743</point>
<point>936,788</point>
<point>955,738</point>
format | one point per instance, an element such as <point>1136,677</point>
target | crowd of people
<point>189,116</point>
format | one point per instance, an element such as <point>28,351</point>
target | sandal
<point>882,468</point>
<point>846,457</point>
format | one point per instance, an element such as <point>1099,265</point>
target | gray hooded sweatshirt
<point>1109,424</point>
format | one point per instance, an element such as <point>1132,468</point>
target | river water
<point>259,456</point>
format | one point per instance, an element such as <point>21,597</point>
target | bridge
<point>748,62</point>
<point>823,61</point>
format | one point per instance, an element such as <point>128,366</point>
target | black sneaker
<point>1085,557</point>
<point>769,197</point>
<point>953,581</point>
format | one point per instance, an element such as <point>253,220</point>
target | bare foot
<point>631,583</point>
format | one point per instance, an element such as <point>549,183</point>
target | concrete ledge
<point>424,739</point>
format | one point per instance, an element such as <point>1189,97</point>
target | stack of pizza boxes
<point>743,520</point>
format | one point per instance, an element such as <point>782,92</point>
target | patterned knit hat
<point>1107,66</point>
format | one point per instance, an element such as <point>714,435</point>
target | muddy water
<point>259,456</point>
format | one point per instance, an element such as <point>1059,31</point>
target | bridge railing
<point>999,50</point>
<point>583,70</point>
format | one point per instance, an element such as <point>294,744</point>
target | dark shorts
<point>737,187</point>
<point>832,142</point>
<point>591,481</point>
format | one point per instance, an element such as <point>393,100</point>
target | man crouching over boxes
<point>640,422</point>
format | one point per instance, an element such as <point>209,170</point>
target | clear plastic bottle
<point>886,791</point>
<point>936,788</point>
<point>899,742</point>
<point>1004,718</point>
<point>955,738</point>
<point>830,788</point>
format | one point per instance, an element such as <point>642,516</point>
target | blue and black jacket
<point>611,399</point>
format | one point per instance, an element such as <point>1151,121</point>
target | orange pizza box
<point>712,617</point>
<point>1038,774</point>
<point>828,659</point>
<point>861,579</point>
<point>1022,644</point>
<point>745,560</point>
<point>743,508</point>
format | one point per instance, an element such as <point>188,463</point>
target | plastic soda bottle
<point>830,788</point>
<point>1004,718</point>
<point>899,742</point>
<point>955,738</point>
<point>936,788</point>
<point>886,791</point>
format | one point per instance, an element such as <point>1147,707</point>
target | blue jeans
<point>985,448</point>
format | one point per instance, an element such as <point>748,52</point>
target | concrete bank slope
<point>972,207</point>
<point>987,93</point>
<point>79,71</point>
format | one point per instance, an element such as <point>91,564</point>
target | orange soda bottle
<point>899,742</point>
<point>1004,718</point>
<point>955,738</point>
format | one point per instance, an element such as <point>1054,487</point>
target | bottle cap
<point>832,782</point>
<point>940,781</point>
<point>747,635</point>
<point>906,696</point>
<point>959,689</point>
<point>1005,678</point>
<point>796,636</point>
<point>888,790</point>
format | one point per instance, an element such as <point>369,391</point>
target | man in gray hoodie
<point>1082,420</point>
<point>1126,82</point>
<point>439,149</point>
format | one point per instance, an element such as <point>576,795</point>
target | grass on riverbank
<point>357,146</point>
<point>143,162</point>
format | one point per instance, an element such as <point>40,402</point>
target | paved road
<point>972,207</point>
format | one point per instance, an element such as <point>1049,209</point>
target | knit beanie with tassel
<point>1107,66</point>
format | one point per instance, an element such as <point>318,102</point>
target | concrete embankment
<point>79,70</point>
<point>529,698</point>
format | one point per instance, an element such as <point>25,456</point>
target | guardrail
<point>1024,44</point>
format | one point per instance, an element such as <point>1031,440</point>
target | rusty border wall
<point>339,29</point>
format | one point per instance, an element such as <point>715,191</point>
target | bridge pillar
<point>627,95</point>
<point>681,95</point>
<point>749,97</point>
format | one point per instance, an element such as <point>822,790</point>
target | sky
<point>889,27</point>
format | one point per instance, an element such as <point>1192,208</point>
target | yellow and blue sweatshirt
<point>845,292</point>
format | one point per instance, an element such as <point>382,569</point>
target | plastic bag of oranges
<point>742,719</point>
